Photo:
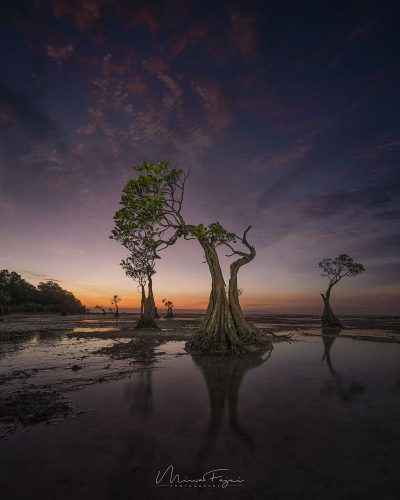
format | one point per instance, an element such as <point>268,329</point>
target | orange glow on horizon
<point>296,303</point>
<point>200,302</point>
<point>180,301</point>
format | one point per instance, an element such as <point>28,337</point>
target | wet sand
<point>89,408</point>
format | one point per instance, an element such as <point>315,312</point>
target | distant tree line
<point>17,295</point>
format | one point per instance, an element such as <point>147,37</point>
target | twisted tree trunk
<point>246,331</point>
<point>328,319</point>
<point>218,331</point>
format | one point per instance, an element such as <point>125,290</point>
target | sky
<point>286,114</point>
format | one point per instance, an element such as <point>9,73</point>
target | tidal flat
<point>92,408</point>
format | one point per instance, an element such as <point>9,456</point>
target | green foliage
<point>16,294</point>
<point>336,269</point>
<point>150,205</point>
<point>149,219</point>
<point>213,234</point>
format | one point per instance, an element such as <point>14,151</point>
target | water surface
<point>317,418</point>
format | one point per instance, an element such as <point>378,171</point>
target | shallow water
<point>317,418</point>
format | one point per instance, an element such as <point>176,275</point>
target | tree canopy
<point>341,266</point>
<point>18,295</point>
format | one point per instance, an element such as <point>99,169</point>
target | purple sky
<point>286,114</point>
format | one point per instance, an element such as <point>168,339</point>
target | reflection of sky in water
<point>327,427</point>
<point>95,329</point>
<point>49,359</point>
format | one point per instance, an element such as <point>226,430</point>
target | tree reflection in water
<point>133,473</point>
<point>337,386</point>
<point>223,377</point>
<point>138,458</point>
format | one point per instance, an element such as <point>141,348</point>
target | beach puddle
<point>95,329</point>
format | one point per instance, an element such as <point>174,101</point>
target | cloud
<point>60,53</point>
<point>342,200</point>
<point>39,276</point>
<point>176,45</point>
<point>141,15</point>
<point>83,13</point>
<point>329,151</point>
<point>219,109</point>
<point>41,164</point>
<point>363,30</point>
<point>273,161</point>
<point>173,91</point>
<point>28,139</point>
<point>241,34</point>
<point>387,245</point>
<point>19,111</point>
<point>382,274</point>
<point>389,215</point>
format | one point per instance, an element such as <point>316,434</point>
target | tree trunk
<point>146,319</point>
<point>143,300</point>
<point>116,312</point>
<point>246,331</point>
<point>218,330</point>
<point>328,319</point>
<point>150,297</point>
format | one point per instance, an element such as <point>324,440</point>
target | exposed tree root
<point>144,322</point>
<point>227,343</point>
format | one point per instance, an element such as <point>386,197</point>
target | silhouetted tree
<point>101,308</point>
<point>56,298</point>
<point>15,292</point>
<point>140,267</point>
<point>169,305</point>
<point>335,270</point>
<point>17,295</point>
<point>5,298</point>
<point>115,301</point>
